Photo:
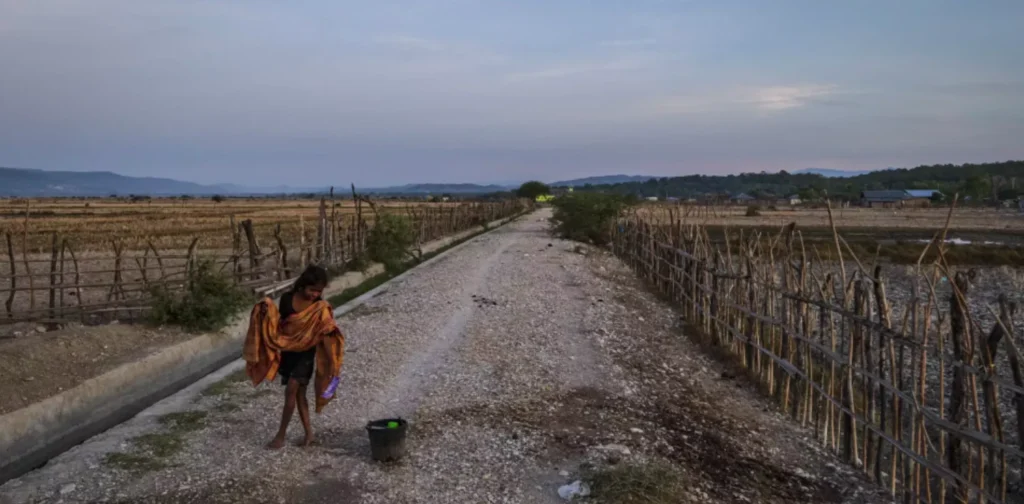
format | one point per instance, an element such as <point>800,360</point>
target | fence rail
<point>917,393</point>
<point>93,287</point>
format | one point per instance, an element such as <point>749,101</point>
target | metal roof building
<point>897,197</point>
<point>922,193</point>
<point>886,196</point>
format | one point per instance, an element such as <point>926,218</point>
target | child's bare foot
<point>306,442</point>
<point>276,444</point>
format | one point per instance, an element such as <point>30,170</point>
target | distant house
<point>652,198</point>
<point>897,198</point>
<point>923,193</point>
<point>791,200</point>
<point>742,198</point>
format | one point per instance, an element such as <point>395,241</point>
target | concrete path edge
<point>32,435</point>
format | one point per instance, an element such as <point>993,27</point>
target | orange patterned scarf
<point>312,327</point>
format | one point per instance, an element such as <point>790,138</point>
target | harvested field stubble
<point>98,260</point>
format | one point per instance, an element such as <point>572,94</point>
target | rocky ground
<point>522,366</point>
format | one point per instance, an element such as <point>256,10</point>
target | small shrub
<point>587,217</point>
<point>753,211</point>
<point>390,241</point>
<point>216,198</point>
<point>208,302</point>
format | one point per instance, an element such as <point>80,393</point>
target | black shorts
<point>297,366</point>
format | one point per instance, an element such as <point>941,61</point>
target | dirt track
<point>521,365</point>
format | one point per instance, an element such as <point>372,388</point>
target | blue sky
<point>386,92</point>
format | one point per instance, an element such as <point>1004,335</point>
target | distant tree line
<point>979,182</point>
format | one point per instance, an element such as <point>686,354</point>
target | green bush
<point>390,241</point>
<point>208,302</point>
<point>587,217</point>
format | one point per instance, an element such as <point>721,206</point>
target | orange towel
<point>312,327</point>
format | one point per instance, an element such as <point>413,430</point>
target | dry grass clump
<point>647,483</point>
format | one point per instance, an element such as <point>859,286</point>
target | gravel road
<point>520,363</point>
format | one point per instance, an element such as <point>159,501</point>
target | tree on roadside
<point>532,189</point>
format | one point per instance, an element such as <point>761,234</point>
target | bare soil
<point>36,365</point>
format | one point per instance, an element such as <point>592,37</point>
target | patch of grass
<point>223,386</point>
<point>133,462</point>
<point>227,407</point>
<point>184,421</point>
<point>160,444</point>
<point>366,286</point>
<point>650,483</point>
<point>148,450</point>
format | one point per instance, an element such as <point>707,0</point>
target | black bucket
<point>387,444</point>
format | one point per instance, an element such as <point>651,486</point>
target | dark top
<point>287,310</point>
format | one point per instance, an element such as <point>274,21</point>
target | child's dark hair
<point>313,275</point>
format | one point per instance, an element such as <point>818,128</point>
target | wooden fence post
<point>255,260</point>
<point>960,335</point>
<point>321,233</point>
<point>54,252</point>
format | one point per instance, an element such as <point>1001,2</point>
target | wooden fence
<point>95,287</point>
<point>918,394</point>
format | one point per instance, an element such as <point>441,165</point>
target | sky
<point>314,92</point>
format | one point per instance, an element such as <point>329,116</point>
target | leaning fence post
<point>282,255</point>
<point>254,249</point>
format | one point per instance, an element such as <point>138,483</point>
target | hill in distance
<point>603,180</point>
<point>22,182</point>
<point>27,182</point>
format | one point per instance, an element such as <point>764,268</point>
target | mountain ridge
<point>34,182</point>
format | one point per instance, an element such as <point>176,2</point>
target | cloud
<point>789,97</point>
<point>736,100</point>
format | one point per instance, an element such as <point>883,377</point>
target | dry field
<point>963,219</point>
<point>167,222</point>
<point>104,255</point>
